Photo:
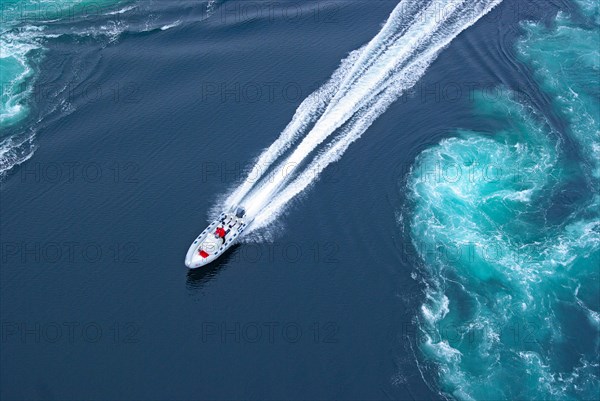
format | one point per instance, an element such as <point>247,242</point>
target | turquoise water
<point>24,34</point>
<point>512,280</point>
<point>22,37</point>
<point>17,45</point>
<point>505,218</point>
<point>28,30</point>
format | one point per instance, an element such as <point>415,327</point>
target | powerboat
<point>219,236</point>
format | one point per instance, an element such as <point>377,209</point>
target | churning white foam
<point>362,89</point>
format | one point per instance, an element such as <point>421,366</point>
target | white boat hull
<point>208,247</point>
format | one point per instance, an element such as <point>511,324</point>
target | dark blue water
<point>138,131</point>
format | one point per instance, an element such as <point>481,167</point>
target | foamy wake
<point>362,89</point>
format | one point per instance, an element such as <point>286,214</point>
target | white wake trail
<point>395,85</point>
<point>396,25</point>
<point>314,105</point>
<point>364,86</point>
<point>332,153</point>
<point>306,114</point>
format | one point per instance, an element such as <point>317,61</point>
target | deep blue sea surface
<point>425,195</point>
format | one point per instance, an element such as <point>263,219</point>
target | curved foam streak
<point>332,154</point>
<point>396,25</point>
<point>343,77</point>
<point>420,44</point>
<point>306,114</point>
<point>335,150</point>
